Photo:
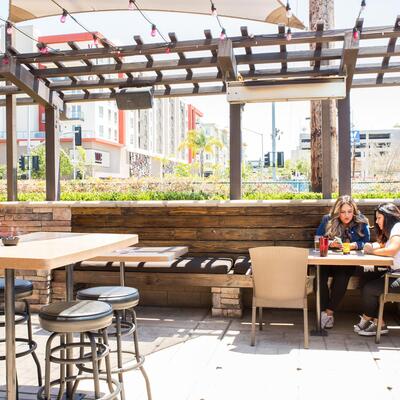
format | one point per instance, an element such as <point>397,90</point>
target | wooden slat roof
<point>199,67</point>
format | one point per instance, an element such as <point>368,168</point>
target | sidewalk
<point>191,356</point>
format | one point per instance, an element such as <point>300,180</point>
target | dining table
<point>41,251</point>
<point>338,259</point>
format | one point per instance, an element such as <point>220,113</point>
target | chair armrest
<point>387,276</point>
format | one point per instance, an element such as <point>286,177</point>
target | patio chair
<point>279,281</point>
<point>384,298</point>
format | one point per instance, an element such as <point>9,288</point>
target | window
<point>109,115</point>
<point>101,130</point>
<point>115,117</point>
<point>109,133</point>
<point>101,112</point>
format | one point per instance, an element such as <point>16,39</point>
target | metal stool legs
<point>97,352</point>
<point>25,316</point>
<point>132,328</point>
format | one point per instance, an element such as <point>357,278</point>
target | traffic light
<point>21,162</point>
<point>35,163</point>
<point>78,135</point>
<point>267,160</point>
<point>281,159</point>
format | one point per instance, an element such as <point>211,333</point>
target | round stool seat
<point>22,289</point>
<point>75,316</point>
<point>119,297</point>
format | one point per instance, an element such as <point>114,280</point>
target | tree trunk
<point>322,10</point>
<point>202,163</point>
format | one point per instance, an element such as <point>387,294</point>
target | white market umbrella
<point>271,11</point>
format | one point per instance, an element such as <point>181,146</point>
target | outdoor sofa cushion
<point>242,265</point>
<point>194,265</point>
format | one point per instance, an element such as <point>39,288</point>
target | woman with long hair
<point>387,228</point>
<point>343,223</point>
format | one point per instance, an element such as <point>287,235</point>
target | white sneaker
<point>372,328</point>
<point>363,324</point>
<point>326,320</point>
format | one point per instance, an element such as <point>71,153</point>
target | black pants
<point>330,299</point>
<point>371,292</point>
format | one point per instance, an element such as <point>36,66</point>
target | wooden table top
<point>354,258</point>
<point>48,250</point>
<point>143,254</point>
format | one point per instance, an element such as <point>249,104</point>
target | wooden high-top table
<point>47,251</point>
<point>355,258</point>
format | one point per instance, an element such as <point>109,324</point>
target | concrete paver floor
<point>192,356</point>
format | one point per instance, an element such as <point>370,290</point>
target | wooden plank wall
<point>219,230</point>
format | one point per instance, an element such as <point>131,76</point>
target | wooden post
<point>321,12</point>
<point>11,135</point>
<point>344,146</point>
<point>326,151</point>
<point>52,156</point>
<point>235,149</point>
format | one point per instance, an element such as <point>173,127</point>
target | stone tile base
<point>227,302</point>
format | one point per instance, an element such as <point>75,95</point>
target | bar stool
<point>23,289</point>
<point>65,318</point>
<point>123,299</point>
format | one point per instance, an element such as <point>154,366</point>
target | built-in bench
<point>219,274</point>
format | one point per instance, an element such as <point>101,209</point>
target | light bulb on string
<point>63,16</point>
<point>131,5</point>
<point>153,30</point>
<point>288,11</point>
<point>213,10</point>
<point>43,49</point>
<point>95,40</point>
<point>363,5</point>
<point>222,36</point>
<point>356,34</point>
<point>168,50</point>
<point>9,28</point>
<point>5,60</point>
<point>289,34</point>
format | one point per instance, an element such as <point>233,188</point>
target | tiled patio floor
<point>191,356</point>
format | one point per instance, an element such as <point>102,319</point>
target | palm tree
<point>200,143</point>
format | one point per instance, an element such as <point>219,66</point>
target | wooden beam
<point>235,150</point>
<point>282,48</point>
<point>391,46</point>
<point>245,34</point>
<point>326,150</point>
<point>371,82</point>
<point>201,62</point>
<point>149,58</point>
<point>350,53</point>
<point>226,60</point>
<point>318,46</point>
<point>28,83</point>
<point>52,155</point>
<point>344,157</point>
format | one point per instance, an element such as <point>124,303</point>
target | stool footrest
<point>32,346</point>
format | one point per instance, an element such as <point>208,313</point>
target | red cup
<point>323,246</point>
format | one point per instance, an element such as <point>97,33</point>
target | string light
<point>288,11</point>
<point>9,28</point>
<point>289,34</point>
<point>131,5</point>
<point>64,16</point>
<point>5,60</point>
<point>356,34</point>
<point>222,36</point>
<point>43,49</point>
<point>153,30</point>
<point>95,40</point>
<point>168,50</point>
<point>363,5</point>
<point>213,10</point>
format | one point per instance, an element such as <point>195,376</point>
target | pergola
<point>200,67</point>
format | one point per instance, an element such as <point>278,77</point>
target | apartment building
<point>117,143</point>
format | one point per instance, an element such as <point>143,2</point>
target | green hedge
<point>189,195</point>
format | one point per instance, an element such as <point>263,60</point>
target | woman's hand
<point>335,244</point>
<point>368,248</point>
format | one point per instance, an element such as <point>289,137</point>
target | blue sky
<point>371,108</point>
